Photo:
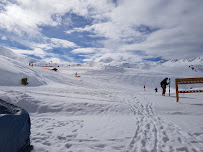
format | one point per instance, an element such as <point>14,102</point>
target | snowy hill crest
<point>10,54</point>
<point>7,53</point>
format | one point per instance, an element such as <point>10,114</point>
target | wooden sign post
<point>187,81</point>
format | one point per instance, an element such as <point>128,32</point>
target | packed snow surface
<point>106,109</point>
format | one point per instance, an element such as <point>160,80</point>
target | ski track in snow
<point>153,134</point>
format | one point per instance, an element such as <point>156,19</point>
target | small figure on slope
<point>164,83</point>
<point>24,81</point>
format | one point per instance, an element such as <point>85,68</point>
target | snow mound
<point>12,71</point>
<point>14,68</point>
<point>8,53</point>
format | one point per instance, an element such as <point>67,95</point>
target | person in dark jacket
<point>164,83</point>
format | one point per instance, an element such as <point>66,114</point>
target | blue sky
<point>92,30</point>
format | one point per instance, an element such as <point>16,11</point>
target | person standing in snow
<point>156,90</point>
<point>164,83</point>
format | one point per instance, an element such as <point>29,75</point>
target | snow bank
<point>8,53</point>
<point>12,71</point>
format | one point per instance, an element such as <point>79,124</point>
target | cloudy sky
<point>91,30</point>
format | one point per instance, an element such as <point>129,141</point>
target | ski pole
<point>169,87</point>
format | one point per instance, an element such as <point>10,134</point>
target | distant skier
<point>156,89</point>
<point>54,69</point>
<point>164,83</point>
<point>76,74</point>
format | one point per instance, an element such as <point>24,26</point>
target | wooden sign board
<point>187,81</point>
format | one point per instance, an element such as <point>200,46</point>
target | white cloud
<point>26,16</point>
<point>86,28</point>
<point>18,20</point>
<point>117,57</point>
<point>62,43</point>
<point>3,38</point>
<point>40,49</point>
<point>179,27</point>
<point>178,23</point>
<point>52,60</point>
<point>84,50</point>
<point>36,52</point>
<point>50,43</point>
<point>177,42</point>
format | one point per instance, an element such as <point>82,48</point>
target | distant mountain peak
<point>193,60</point>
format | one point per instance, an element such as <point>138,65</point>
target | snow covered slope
<point>13,68</point>
<point>106,109</point>
<point>10,54</point>
<point>7,53</point>
<point>12,71</point>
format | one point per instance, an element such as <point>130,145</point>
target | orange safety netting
<point>48,69</point>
